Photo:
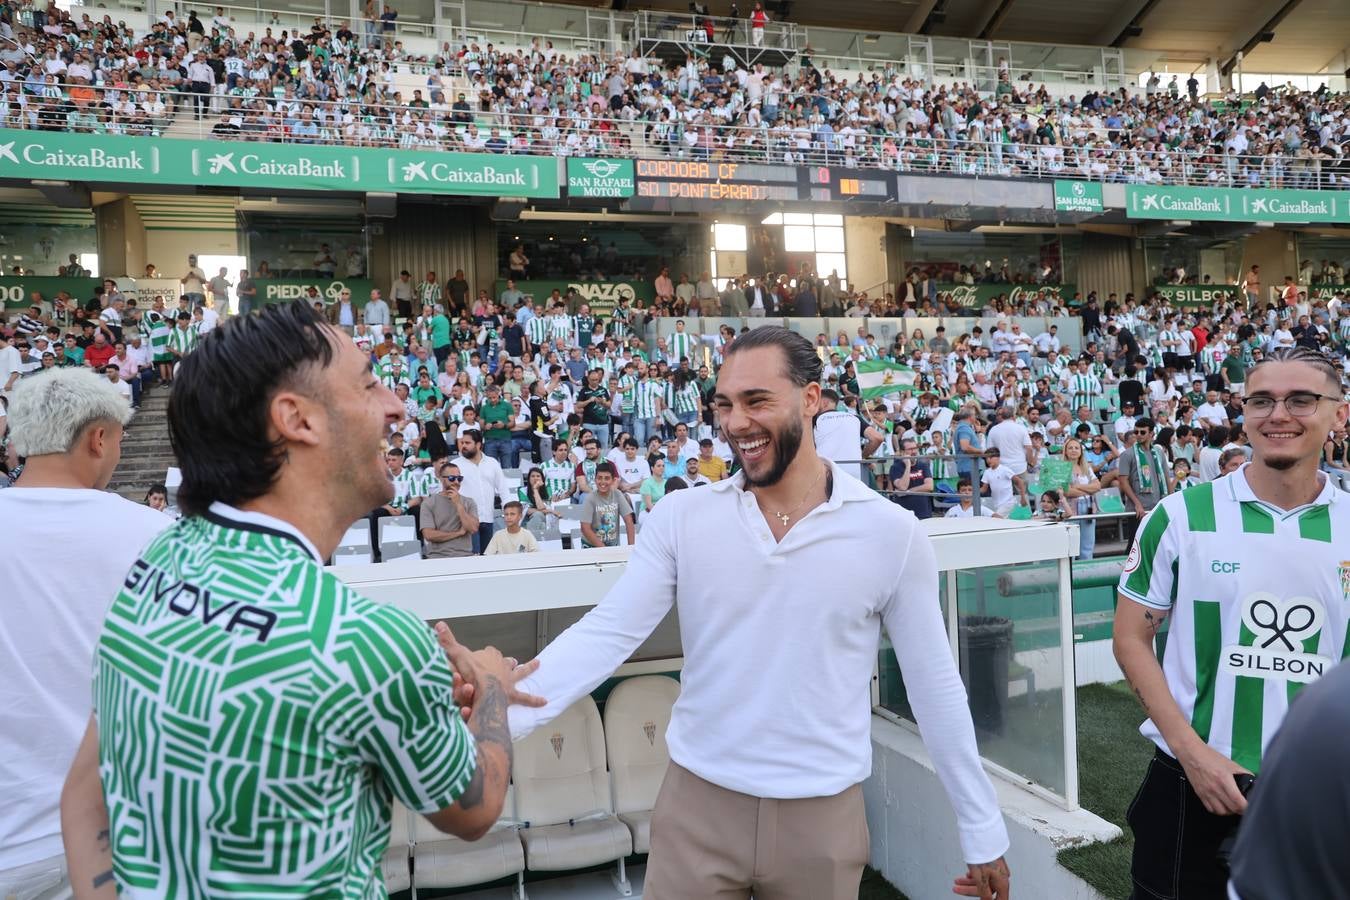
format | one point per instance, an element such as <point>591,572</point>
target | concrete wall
<point>439,238</point>
<point>1108,263</point>
<point>914,838</point>
<point>1273,250</point>
<point>121,239</point>
<point>865,249</point>
<point>169,250</point>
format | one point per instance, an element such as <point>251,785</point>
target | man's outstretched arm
<point>592,649</point>
<point>84,824</point>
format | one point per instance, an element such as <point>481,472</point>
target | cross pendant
<point>783,517</point>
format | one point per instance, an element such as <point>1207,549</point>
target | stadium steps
<point>145,448</point>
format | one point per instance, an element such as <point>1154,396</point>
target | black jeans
<point>1176,840</point>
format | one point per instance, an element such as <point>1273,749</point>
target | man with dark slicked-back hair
<point>254,717</point>
<point>753,565</point>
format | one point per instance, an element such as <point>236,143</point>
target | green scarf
<point>1144,463</point>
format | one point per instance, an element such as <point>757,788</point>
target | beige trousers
<point>710,843</point>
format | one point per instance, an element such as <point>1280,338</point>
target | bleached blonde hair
<point>48,411</point>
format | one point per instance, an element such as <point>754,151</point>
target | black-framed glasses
<point>1299,404</point>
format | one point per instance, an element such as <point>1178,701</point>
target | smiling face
<point>764,414</point>
<point>359,408</point>
<point>1281,440</point>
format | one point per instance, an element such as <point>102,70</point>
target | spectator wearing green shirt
<point>424,389</point>
<point>593,404</point>
<point>440,336</point>
<point>74,352</point>
<point>497,416</point>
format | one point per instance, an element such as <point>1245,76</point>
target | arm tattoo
<point>104,845</point>
<point>1138,693</point>
<point>1154,621</point>
<point>489,726</point>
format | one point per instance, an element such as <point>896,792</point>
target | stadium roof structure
<point>1286,36</point>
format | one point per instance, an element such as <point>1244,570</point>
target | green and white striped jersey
<point>558,476</point>
<point>159,336</point>
<point>538,328</point>
<point>1083,389</point>
<point>412,482</point>
<point>687,399</point>
<point>628,386</point>
<point>182,341</point>
<point>1259,601</point>
<point>256,716</point>
<point>647,398</point>
<point>681,345</point>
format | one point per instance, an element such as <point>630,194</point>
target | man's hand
<point>988,881</point>
<point>1211,775</point>
<point>471,666</point>
<point>1138,509</point>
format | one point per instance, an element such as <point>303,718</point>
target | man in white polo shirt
<point>773,722</point>
<point>68,423</point>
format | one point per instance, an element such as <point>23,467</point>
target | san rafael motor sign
<point>26,155</point>
<point>600,178</point>
<point>1235,204</point>
<point>1078,196</point>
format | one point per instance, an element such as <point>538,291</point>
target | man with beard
<point>259,716</point>
<point>773,719</point>
<point>1250,569</point>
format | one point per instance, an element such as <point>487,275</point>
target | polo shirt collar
<point>233,517</point>
<point>1240,491</point>
<point>846,487</point>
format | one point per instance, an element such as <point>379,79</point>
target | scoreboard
<point>834,183</point>
<point>715,181</point>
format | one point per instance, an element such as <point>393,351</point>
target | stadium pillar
<point>865,250</point>
<point>121,239</point>
<point>1272,249</point>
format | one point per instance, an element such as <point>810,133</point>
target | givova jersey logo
<point>1278,639</point>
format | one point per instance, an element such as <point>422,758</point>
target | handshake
<point>485,676</point>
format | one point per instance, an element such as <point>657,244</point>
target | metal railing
<point>372,122</point>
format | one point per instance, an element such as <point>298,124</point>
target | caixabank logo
<point>46,154</point>
<point>236,163</point>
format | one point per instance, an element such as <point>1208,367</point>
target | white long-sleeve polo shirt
<point>780,641</point>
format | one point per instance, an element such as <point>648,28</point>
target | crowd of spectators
<point>536,398</point>
<point>338,82</point>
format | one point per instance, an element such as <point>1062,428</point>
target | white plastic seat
<point>637,715</point>
<point>358,533</point>
<point>352,554</point>
<point>393,550</point>
<point>445,861</point>
<point>397,528</point>
<point>563,796</point>
<point>395,862</point>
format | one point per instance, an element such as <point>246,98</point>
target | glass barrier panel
<point>1009,651</point>
<point>890,682</point>
<point>1008,637</point>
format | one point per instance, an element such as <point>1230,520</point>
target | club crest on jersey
<point>1278,626</point>
<point>1344,571</point>
<point>556,739</point>
<point>1132,561</point>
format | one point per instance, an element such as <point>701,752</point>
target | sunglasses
<point>454,479</point>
